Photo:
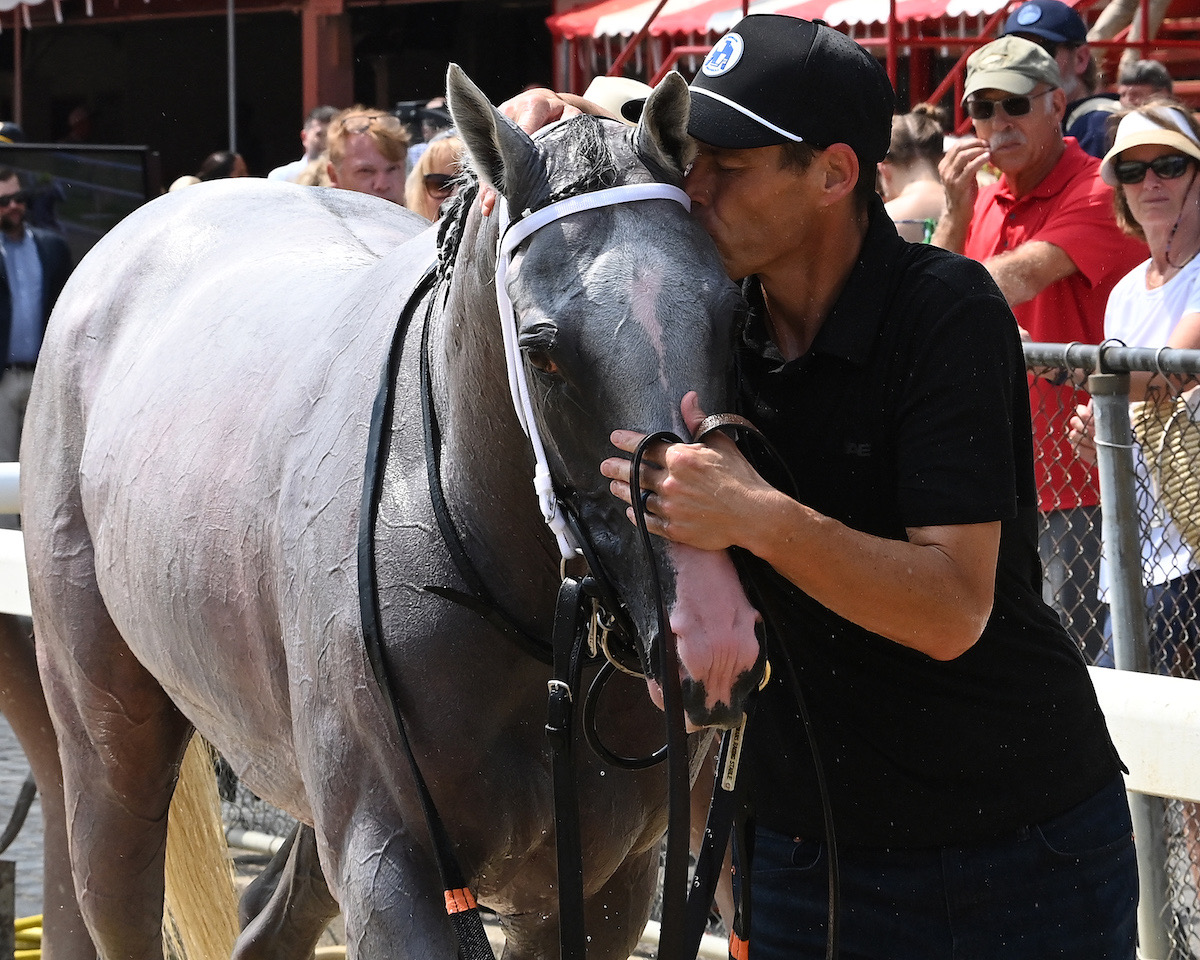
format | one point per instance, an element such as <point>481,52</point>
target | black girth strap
<point>461,908</point>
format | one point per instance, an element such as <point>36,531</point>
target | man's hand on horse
<point>533,109</point>
<point>530,110</point>
<point>701,494</point>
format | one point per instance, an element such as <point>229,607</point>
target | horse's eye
<point>541,360</point>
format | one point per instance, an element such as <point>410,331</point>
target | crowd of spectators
<point>367,150</point>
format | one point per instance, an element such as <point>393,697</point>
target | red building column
<point>327,66</point>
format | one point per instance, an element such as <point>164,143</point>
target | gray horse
<point>193,474</point>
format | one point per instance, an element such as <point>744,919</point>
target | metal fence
<point>1120,543</point>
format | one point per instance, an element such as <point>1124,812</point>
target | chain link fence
<point>1140,479</point>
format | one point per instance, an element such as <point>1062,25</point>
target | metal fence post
<point>1131,650</point>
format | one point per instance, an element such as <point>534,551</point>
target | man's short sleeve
<point>1083,226</point>
<point>957,416</point>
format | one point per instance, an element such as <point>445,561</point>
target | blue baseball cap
<point>1050,19</point>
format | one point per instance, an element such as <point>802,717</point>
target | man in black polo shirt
<point>976,797</point>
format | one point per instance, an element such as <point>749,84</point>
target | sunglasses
<point>1012,106</point>
<point>439,185</point>
<point>362,122</point>
<point>1171,166</point>
<point>10,198</point>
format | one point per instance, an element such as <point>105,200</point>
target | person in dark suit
<point>34,266</point>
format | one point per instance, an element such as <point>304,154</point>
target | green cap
<point>1012,64</point>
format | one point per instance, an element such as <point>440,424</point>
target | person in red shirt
<point>1047,235</point>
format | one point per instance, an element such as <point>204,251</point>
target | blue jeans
<point>1174,609</point>
<point>1065,888</point>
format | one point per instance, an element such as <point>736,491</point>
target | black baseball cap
<point>776,79</point>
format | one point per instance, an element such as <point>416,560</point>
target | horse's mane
<point>593,165</point>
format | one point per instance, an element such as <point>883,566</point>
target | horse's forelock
<point>589,165</point>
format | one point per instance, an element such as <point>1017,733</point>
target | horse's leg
<point>287,907</point>
<point>389,890</point>
<point>614,917</point>
<point>65,936</point>
<point>121,741</point>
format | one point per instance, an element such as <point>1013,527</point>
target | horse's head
<point>619,311</point>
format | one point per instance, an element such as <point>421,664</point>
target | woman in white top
<point>1155,167</point>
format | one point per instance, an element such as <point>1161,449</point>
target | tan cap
<point>1012,64</point>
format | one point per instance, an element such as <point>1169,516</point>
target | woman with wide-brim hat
<point>1154,166</point>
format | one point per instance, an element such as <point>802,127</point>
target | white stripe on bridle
<point>511,236</point>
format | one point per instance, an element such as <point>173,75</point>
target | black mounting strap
<point>564,689</point>
<point>461,907</point>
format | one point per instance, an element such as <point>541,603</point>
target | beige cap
<point>1012,64</point>
<point>614,93</point>
<point>1137,129</point>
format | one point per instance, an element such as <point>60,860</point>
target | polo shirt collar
<point>1055,181</point>
<point>850,330</point>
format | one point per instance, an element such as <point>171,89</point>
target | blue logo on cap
<point>1030,13</point>
<point>724,56</point>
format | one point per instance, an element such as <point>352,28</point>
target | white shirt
<point>290,171</point>
<point>1143,317</point>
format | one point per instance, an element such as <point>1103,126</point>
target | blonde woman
<point>433,177</point>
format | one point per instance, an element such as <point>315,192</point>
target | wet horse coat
<point>193,470</point>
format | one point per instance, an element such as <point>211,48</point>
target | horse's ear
<point>662,131</point>
<point>502,155</point>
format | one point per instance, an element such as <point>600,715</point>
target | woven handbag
<point>1169,434</point>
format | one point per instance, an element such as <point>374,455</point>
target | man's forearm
<point>934,596</point>
<point>951,231</point>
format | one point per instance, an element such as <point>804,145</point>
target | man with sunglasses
<point>1061,32</point>
<point>1047,234</point>
<point>34,266</point>
<point>367,153</point>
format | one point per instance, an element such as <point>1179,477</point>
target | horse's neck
<point>486,459</point>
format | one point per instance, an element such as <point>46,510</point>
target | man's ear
<point>1058,105</point>
<point>331,171</point>
<point>1083,56</point>
<point>841,171</point>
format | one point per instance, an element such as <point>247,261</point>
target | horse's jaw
<point>715,627</point>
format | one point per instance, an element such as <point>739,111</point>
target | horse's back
<point>202,404</point>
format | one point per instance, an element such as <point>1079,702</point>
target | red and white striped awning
<point>623,18</point>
